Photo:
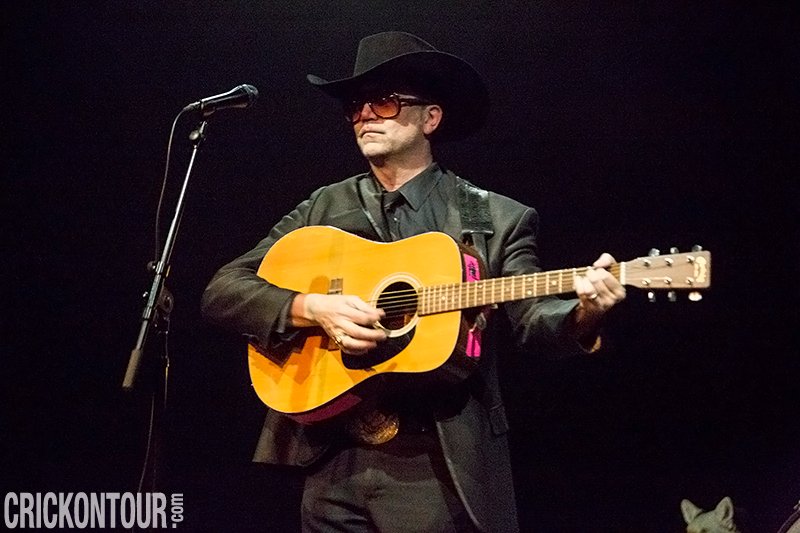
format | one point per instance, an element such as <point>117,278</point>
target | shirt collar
<point>417,189</point>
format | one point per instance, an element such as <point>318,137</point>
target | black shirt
<point>418,206</point>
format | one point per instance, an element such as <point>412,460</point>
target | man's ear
<point>433,117</point>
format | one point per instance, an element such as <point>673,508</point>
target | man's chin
<point>372,151</point>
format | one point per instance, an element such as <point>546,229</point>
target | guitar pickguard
<point>382,353</point>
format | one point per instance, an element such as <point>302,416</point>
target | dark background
<point>627,127</point>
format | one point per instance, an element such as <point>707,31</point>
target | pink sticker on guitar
<point>473,273</point>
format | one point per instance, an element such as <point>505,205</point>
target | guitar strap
<point>476,222</point>
<point>476,227</point>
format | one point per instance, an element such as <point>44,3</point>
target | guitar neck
<point>480,293</point>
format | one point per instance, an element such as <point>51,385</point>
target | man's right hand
<point>347,319</point>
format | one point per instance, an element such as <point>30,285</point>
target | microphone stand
<point>159,300</point>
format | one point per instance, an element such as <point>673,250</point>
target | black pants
<point>400,486</point>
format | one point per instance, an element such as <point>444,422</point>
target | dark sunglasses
<point>387,106</point>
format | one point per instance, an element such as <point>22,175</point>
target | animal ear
<point>724,511</point>
<point>689,510</point>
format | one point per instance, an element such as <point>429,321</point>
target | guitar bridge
<point>336,286</point>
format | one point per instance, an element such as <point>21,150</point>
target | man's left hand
<point>598,292</point>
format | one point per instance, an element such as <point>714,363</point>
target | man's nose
<point>366,112</point>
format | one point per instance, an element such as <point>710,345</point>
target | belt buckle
<point>374,426</point>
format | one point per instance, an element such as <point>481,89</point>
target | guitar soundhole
<point>399,301</point>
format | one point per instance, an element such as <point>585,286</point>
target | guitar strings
<point>406,300</point>
<point>402,302</point>
<point>406,295</point>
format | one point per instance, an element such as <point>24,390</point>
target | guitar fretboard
<point>480,293</point>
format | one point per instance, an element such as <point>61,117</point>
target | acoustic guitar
<point>420,284</point>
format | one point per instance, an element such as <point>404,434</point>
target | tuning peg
<point>651,297</point>
<point>695,296</point>
<point>672,297</point>
<point>697,248</point>
<point>673,250</point>
<point>652,253</point>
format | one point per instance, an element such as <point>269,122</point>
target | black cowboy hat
<point>408,62</point>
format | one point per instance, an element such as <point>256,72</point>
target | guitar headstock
<point>690,270</point>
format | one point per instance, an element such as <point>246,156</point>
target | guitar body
<point>310,379</point>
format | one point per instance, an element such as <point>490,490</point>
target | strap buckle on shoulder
<point>476,221</point>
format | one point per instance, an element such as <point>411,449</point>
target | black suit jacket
<point>473,438</point>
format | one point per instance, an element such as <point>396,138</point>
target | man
<point>418,456</point>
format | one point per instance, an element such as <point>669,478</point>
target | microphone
<point>241,96</point>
